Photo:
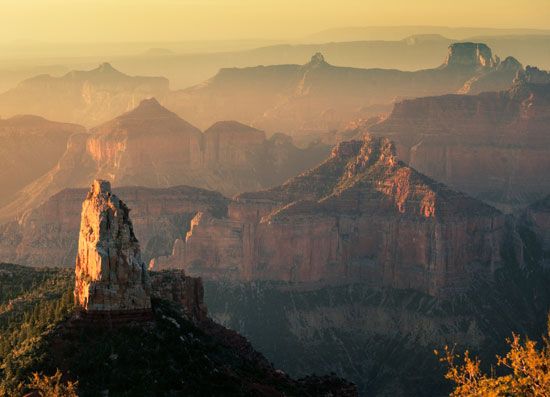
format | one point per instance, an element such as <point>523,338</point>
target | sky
<point>177,20</point>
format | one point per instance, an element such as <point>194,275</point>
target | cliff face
<point>87,97</point>
<point>536,218</point>
<point>361,216</point>
<point>45,236</point>
<point>318,97</point>
<point>493,146</point>
<point>151,146</point>
<point>110,274</point>
<point>29,147</point>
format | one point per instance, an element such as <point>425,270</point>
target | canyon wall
<point>45,236</point>
<point>151,146</point>
<point>494,146</point>
<point>361,216</point>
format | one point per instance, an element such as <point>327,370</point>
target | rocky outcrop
<point>187,292</point>
<point>470,54</point>
<point>318,97</point>
<point>29,147</point>
<point>44,236</point>
<point>361,216</point>
<point>110,274</point>
<point>85,97</point>
<point>494,146</point>
<point>151,146</point>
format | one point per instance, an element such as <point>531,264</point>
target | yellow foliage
<point>52,386</point>
<point>527,371</point>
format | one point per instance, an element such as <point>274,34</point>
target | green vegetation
<point>32,302</point>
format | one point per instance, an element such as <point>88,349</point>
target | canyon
<point>151,146</point>
<point>45,236</point>
<point>29,147</point>
<point>318,97</point>
<point>494,146</point>
<point>301,100</point>
<point>83,97</point>
<point>359,217</point>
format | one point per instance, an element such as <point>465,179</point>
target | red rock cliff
<point>361,216</point>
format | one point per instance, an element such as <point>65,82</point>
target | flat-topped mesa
<point>111,277</point>
<point>470,54</point>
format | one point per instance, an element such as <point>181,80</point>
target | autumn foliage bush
<point>525,371</point>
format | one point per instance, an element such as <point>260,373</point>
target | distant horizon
<point>97,21</point>
<point>299,39</point>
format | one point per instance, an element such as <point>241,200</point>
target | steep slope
<point>493,146</point>
<point>85,97</point>
<point>359,217</point>
<point>29,147</point>
<point>318,96</point>
<point>151,146</point>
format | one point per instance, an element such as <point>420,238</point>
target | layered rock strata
<point>318,97</point>
<point>44,236</point>
<point>361,216</point>
<point>151,146</point>
<point>110,276</point>
<point>494,146</point>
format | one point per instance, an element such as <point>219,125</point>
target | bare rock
<point>110,275</point>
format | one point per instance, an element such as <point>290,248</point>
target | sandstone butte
<point>360,216</point>
<point>494,146</point>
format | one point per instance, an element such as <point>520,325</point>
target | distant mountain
<point>318,96</point>
<point>400,32</point>
<point>29,147</point>
<point>495,145</point>
<point>85,97</point>
<point>151,146</point>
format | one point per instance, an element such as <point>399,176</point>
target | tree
<point>526,371</point>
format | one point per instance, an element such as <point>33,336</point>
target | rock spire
<point>110,274</point>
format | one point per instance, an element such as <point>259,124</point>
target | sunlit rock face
<point>494,146</point>
<point>361,216</point>
<point>110,275</point>
<point>45,236</point>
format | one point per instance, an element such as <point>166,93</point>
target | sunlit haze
<point>177,20</point>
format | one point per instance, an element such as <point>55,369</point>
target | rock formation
<point>44,236</point>
<point>361,216</point>
<point>188,292</point>
<point>110,274</point>
<point>494,146</point>
<point>85,97</point>
<point>151,146</point>
<point>318,97</point>
<point>29,147</point>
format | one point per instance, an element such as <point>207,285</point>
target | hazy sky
<point>157,20</point>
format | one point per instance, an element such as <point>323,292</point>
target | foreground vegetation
<point>525,371</point>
